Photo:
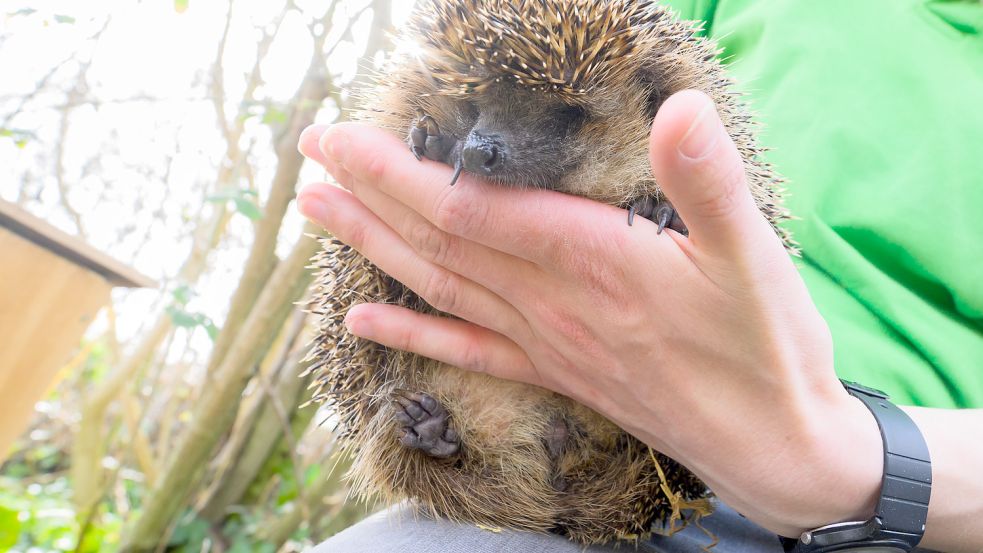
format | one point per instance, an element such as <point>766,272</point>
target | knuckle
<point>356,234</point>
<point>458,212</point>
<point>442,292</point>
<point>433,243</point>
<point>472,356</point>
<point>408,338</point>
<point>377,167</point>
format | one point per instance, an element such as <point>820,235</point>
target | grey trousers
<point>402,528</point>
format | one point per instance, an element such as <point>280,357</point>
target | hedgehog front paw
<point>424,425</point>
<point>659,211</point>
<point>426,141</point>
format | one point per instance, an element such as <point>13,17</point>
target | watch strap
<point>907,483</point>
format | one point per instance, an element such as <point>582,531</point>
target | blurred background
<point>162,133</point>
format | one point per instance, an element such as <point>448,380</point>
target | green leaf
<point>10,527</point>
<point>223,196</point>
<point>180,6</point>
<point>244,201</point>
<point>22,11</point>
<point>248,208</point>
<point>19,136</point>
<point>248,544</point>
<point>59,18</point>
<point>182,294</point>
<point>274,116</point>
<point>312,474</point>
<point>192,534</point>
<point>187,319</point>
<point>211,329</point>
<point>182,318</point>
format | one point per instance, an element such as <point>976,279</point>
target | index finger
<point>533,224</point>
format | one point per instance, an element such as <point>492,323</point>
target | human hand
<point>707,347</point>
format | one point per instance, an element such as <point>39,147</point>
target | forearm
<point>955,516</point>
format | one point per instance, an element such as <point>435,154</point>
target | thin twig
<point>42,83</point>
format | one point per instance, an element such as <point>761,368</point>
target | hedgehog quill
<point>557,94</point>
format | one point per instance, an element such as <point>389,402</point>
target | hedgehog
<point>556,94</point>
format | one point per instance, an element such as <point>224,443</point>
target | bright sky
<point>149,77</point>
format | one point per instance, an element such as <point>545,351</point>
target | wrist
<point>834,469</point>
<point>822,462</point>
<point>901,513</point>
<point>843,475</point>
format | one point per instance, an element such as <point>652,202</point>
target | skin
<point>615,316</point>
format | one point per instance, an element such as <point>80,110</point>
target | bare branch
<point>63,126</point>
<point>218,80</point>
<point>43,81</point>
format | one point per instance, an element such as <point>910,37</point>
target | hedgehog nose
<point>483,154</point>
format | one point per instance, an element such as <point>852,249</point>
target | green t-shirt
<point>874,111</point>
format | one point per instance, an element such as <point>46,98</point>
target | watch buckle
<point>842,532</point>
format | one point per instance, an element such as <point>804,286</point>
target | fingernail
<point>359,326</point>
<point>314,207</point>
<point>334,144</point>
<point>313,130</point>
<point>702,135</point>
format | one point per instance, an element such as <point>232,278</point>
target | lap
<point>402,528</point>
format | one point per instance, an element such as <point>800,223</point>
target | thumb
<point>700,170</point>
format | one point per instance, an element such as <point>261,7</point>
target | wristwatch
<point>899,519</point>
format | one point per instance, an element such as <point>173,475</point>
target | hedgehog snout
<point>483,154</point>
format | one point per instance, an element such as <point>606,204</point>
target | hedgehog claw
<point>458,167</point>
<point>423,424</point>
<point>659,211</point>
<point>642,207</point>
<point>663,215</point>
<point>418,140</point>
<point>427,141</point>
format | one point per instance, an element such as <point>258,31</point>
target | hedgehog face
<point>521,136</point>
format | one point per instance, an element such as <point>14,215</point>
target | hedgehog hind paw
<point>424,424</point>
<point>658,211</point>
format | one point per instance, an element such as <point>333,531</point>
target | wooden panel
<point>46,303</point>
<point>70,247</point>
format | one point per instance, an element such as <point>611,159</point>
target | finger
<point>452,341</point>
<point>352,223</point>
<point>701,172</point>
<point>309,146</point>
<point>506,275</point>
<point>536,225</point>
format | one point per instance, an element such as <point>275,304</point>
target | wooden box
<point>51,287</point>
